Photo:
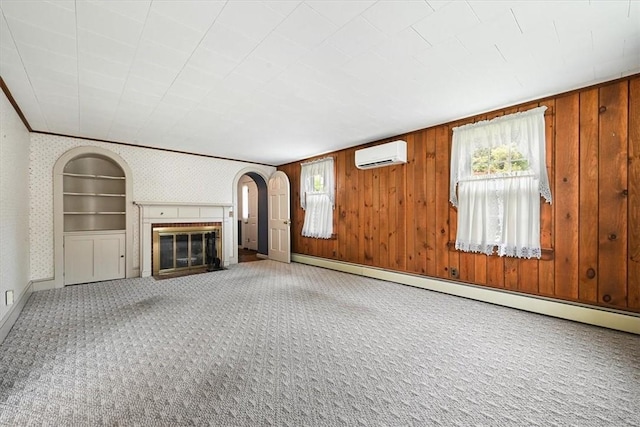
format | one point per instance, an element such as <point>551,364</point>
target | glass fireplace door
<point>177,248</point>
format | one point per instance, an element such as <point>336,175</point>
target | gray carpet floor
<point>271,344</point>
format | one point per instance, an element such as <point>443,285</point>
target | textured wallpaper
<point>158,176</point>
<point>14,204</point>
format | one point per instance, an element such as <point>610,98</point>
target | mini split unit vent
<point>391,153</point>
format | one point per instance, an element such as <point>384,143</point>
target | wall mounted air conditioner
<point>391,153</point>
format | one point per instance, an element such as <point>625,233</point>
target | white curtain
<point>317,198</point>
<point>500,210</point>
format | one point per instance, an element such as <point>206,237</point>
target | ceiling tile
<point>340,12</point>
<point>153,72</point>
<point>489,33</point>
<point>97,18</point>
<point>50,16</point>
<point>199,77</point>
<point>43,58</point>
<point>448,52</point>
<point>196,14</point>
<point>325,56</point>
<point>357,37</point>
<point>446,22</point>
<point>279,50</point>
<point>142,90</point>
<point>487,10</point>
<point>531,14</point>
<point>403,45</point>
<point>131,9</point>
<point>257,70</point>
<point>306,27</point>
<point>229,42</point>
<point>392,17</point>
<point>212,63</point>
<point>283,7</point>
<point>39,37</point>
<point>101,80</point>
<point>104,47</point>
<point>250,18</point>
<point>167,32</point>
<point>162,55</point>
<point>100,64</point>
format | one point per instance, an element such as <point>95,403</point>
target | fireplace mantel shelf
<point>181,204</point>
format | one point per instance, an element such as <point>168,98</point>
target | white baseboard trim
<point>43,284</point>
<point>7,322</point>
<point>622,321</point>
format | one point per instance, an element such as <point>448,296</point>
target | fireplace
<point>186,247</point>
<point>156,215</point>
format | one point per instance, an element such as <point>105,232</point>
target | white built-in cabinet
<point>94,212</point>
<point>93,256</point>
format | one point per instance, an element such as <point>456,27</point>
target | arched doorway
<point>251,225</point>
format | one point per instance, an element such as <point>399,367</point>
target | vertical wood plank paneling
<point>401,220</point>
<point>341,208</point>
<point>431,201</point>
<point>528,269</point>
<point>420,193</point>
<point>367,206</point>
<point>353,209</point>
<point>400,206</point>
<point>511,273</point>
<point>612,222</point>
<point>588,276</point>
<point>546,269</point>
<point>411,204</point>
<point>396,217</point>
<point>383,217</point>
<point>376,237</point>
<point>566,197</point>
<point>633,225</point>
<point>442,201</point>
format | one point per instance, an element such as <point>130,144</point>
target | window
<point>245,203</point>
<point>498,173</point>
<point>500,159</point>
<point>317,198</point>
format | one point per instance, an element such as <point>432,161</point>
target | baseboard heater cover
<point>612,319</point>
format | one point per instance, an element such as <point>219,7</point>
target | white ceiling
<point>278,81</point>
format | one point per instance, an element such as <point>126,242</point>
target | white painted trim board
<point>627,322</point>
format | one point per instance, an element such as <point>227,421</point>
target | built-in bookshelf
<point>94,195</point>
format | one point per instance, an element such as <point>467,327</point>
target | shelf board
<point>86,175</point>
<point>68,193</point>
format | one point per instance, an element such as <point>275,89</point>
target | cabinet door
<point>109,257</point>
<point>93,257</point>
<point>78,259</point>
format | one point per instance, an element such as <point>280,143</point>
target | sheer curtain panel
<point>317,198</point>
<point>498,173</point>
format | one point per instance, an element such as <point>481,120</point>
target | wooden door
<point>250,224</point>
<point>279,218</point>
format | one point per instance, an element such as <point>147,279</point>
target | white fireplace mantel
<point>165,213</point>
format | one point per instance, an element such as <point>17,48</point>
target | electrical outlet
<point>454,272</point>
<point>8,297</point>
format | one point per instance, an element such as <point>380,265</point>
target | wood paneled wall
<point>400,218</point>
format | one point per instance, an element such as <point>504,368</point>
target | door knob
<point>287,222</point>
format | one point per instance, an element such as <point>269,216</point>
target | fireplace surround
<point>158,214</point>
